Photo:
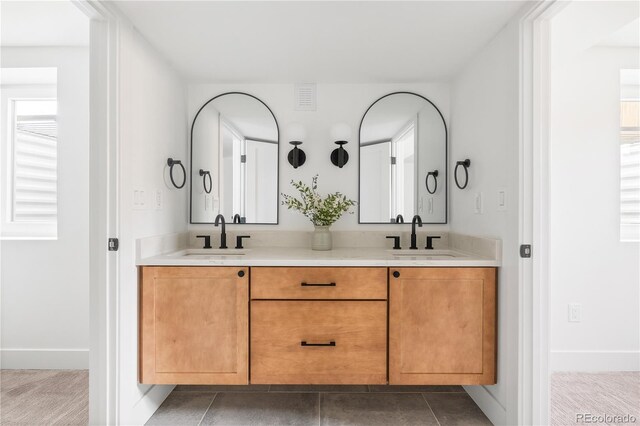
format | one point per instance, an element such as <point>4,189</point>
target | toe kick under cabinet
<point>317,325</point>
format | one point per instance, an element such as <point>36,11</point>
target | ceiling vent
<point>305,97</point>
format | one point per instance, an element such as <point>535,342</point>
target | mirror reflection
<point>403,161</point>
<point>234,161</point>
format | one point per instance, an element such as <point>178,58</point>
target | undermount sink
<point>210,253</point>
<point>425,254</point>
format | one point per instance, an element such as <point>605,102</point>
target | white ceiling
<point>324,42</point>
<point>42,23</point>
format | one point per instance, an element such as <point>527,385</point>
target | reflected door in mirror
<point>235,136</point>
<point>403,137</point>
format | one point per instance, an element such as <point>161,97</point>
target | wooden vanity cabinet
<point>442,326</point>
<point>193,325</point>
<point>317,325</point>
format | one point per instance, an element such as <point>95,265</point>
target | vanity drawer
<point>318,342</point>
<point>319,283</point>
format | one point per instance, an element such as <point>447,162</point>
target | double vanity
<point>273,311</point>
<point>291,315</point>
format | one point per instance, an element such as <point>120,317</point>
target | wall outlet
<point>575,312</point>
<point>502,200</point>
<point>158,199</point>
<point>477,206</point>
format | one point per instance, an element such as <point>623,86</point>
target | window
<point>34,161</point>
<point>29,161</point>
<point>630,155</point>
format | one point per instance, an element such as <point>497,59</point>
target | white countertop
<point>269,256</point>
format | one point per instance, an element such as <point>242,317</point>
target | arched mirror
<point>234,161</point>
<point>403,160</point>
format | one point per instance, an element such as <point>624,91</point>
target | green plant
<point>321,211</point>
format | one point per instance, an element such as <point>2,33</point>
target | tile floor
<point>318,405</point>
<point>45,397</point>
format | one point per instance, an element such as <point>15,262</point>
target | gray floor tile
<point>319,388</point>
<point>456,409</point>
<point>413,389</point>
<point>256,409</point>
<point>373,409</point>
<point>221,388</point>
<point>186,408</point>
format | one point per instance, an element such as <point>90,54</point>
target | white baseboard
<point>44,359</point>
<point>142,411</point>
<point>595,361</point>
<point>488,404</point>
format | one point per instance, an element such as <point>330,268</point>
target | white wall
<point>45,284</point>
<point>153,126</point>
<point>484,128</point>
<point>588,263</point>
<point>337,103</point>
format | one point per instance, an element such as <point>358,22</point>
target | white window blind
<point>630,170</point>
<point>34,177</point>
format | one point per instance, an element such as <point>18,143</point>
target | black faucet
<point>223,233</point>
<point>236,218</point>
<point>399,219</point>
<point>415,219</point>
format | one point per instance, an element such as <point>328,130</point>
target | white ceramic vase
<point>321,238</point>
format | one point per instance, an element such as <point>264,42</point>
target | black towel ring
<point>465,165</point>
<point>435,181</point>
<point>205,174</point>
<point>171,162</point>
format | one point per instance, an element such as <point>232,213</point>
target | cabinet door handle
<point>304,284</point>
<point>304,343</point>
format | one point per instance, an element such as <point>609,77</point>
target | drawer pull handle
<point>304,343</point>
<point>303,284</point>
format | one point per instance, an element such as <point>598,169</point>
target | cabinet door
<point>442,326</point>
<point>194,325</point>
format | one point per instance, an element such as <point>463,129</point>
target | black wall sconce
<point>296,156</point>
<point>171,162</point>
<point>435,182</point>
<point>339,156</point>
<point>206,174</point>
<point>465,165</point>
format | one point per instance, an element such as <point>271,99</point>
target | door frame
<point>103,211</point>
<point>534,82</point>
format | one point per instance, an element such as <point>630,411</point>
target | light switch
<point>478,203</point>
<point>430,205</point>
<point>502,200</point>
<point>139,199</point>
<point>158,199</point>
<point>575,312</point>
